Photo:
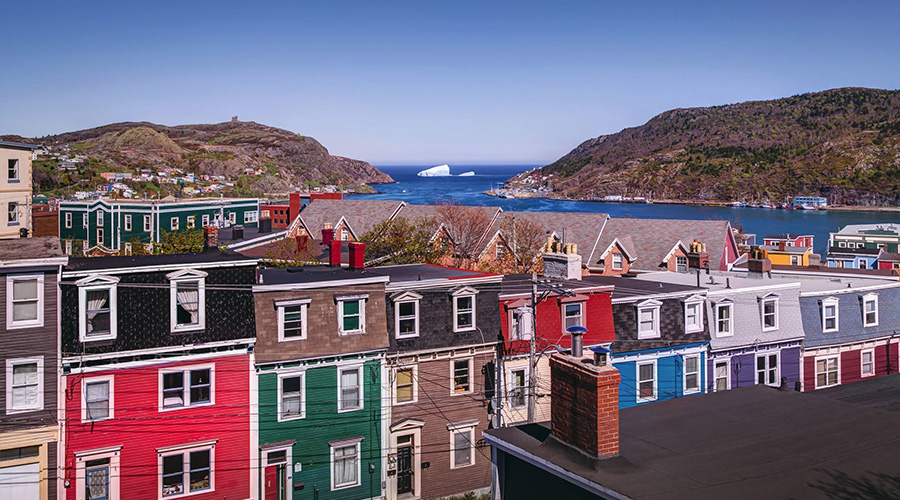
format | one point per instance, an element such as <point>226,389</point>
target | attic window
<point>187,300</point>
<point>648,319</point>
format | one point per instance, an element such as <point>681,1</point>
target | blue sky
<point>429,81</point>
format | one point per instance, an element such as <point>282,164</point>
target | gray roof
<point>44,247</point>
<point>579,228</point>
<point>861,229</point>
<point>361,215</point>
<point>850,316</point>
<point>881,393</point>
<point>748,443</point>
<point>787,249</point>
<point>18,145</point>
<point>432,213</point>
<point>832,251</point>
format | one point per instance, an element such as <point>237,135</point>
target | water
<point>468,191</point>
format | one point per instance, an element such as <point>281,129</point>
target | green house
<point>118,224</point>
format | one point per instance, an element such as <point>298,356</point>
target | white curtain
<point>345,465</point>
<point>98,400</point>
<point>96,301</point>
<point>189,300</point>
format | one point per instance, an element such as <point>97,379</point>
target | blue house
<point>853,257</point>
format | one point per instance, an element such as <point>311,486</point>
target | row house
<point>117,225</point>
<point>156,377</point>
<point>850,327</point>
<point>15,188</point>
<point>30,357</point>
<point>321,341</point>
<point>783,255</point>
<point>442,331</point>
<point>284,212</point>
<point>885,236</point>
<point>848,257</point>
<point>789,240</point>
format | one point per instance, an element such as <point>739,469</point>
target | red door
<point>272,487</point>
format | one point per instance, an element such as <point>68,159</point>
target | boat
<point>467,174</point>
<point>437,171</point>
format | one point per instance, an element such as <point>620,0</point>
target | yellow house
<point>15,188</point>
<point>782,255</point>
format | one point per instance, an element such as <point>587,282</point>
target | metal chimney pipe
<point>577,344</point>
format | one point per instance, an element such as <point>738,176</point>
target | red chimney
<point>781,245</point>
<point>211,234</point>
<point>357,255</point>
<point>334,254</point>
<point>327,235</point>
<point>293,207</point>
<point>584,404</point>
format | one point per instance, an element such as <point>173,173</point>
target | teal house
<point>320,363</point>
<point>118,224</point>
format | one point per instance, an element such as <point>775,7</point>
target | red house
<point>790,240</point>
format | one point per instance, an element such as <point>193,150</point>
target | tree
<point>524,242</point>
<point>292,252</point>
<point>465,226</point>
<point>401,241</point>
<point>189,241</point>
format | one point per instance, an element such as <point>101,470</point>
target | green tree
<point>401,241</point>
<point>189,241</point>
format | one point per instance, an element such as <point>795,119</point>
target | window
<point>795,260</point>
<point>187,299</point>
<point>345,235</point>
<point>205,220</point>
<point>97,399</point>
<point>232,217</point>
<point>691,374</point>
<point>406,314</point>
<point>681,264</point>
<point>96,479</point>
<point>99,218</point>
<point>97,308</point>
<point>185,388</point>
<point>461,375</point>
<point>68,249</point>
<point>464,309</point>
<point>462,445</point>
<point>147,226</point>
<point>127,248</point>
<point>13,170</point>
<point>187,471</point>
<point>573,314</point>
<point>13,212</point>
<point>291,401</point>
<point>767,372</point>
<point>250,216</point>
<point>499,251</point>
<point>173,223</point>
<point>84,220</point>
<point>722,375</point>
<point>830,315</point>
<point>405,385</point>
<point>292,319</point>
<point>97,476</point>
<point>24,301</point>
<point>191,221</point>
<point>350,390</point>
<point>646,378</point>
<point>870,309</point>
<point>68,217</point>
<point>518,394</point>
<point>842,244</point>
<point>827,372</point>
<point>24,384</point>
<point>345,465</point>
<point>693,315</point>
<point>769,311</point>
<point>352,314</point>
<point>648,319</point>
<point>100,236</point>
<point>617,262</point>
<point>724,319</point>
<point>867,361</point>
<point>127,222</point>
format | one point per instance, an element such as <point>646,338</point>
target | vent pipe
<point>577,332</point>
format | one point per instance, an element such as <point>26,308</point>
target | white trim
<point>728,305</point>
<point>837,358</point>
<point>186,370</point>
<point>163,268</point>
<point>294,373</point>
<point>637,381</point>
<point>773,298</point>
<point>694,301</point>
<point>765,355</point>
<point>715,378</point>
<point>321,284</point>
<point>648,305</point>
<point>160,350</point>
<point>823,305</point>
<point>862,372</point>
<point>83,457</point>
<point>467,427</point>
<point>414,369</point>
<point>581,312</point>
<point>363,300</point>
<point>110,380</point>
<point>406,298</point>
<point>510,387</point>
<point>148,223</point>
<point>469,379</point>
<point>39,404</point>
<point>187,276</point>
<point>185,452</point>
<point>346,444</point>
<point>304,312</point>
<point>456,297</point>
<point>111,286</point>
<point>127,222</point>
<point>684,387</point>
<point>288,465</point>
<point>869,297</point>
<point>360,380</point>
<point>11,323</point>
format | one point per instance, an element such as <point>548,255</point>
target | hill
<point>285,159</point>
<point>843,144</point>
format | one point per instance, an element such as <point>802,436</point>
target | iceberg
<point>467,174</point>
<point>438,171</point>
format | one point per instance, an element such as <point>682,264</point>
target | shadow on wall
<point>870,486</point>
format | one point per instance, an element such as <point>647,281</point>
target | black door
<point>404,469</point>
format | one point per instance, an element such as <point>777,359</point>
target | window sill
<point>350,410</point>
<point>292,418</point>
<point>462,330</point>
<point>467,393</point>
<point>13,411</point>
<point>22,325</point>
<point>291,339</point>
<point>188,407</point>
<point>407,336</point>
<point>188,494</point>
<point>97,338</point>
<point>647,400</point>
<point>462,466</point>
<point>406,403</point>
<point>648,336</point>
<point>12,223</point>
<point>96,420</point>
<point>870,325</point>
<point>690,392</point>
<point>344,487</point>
<point>770,329</point>
<point>352,332</point>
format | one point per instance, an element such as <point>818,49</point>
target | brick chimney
<point>782,245</point>
<point>357,255</point>
<point>211,235</point>
<point>697,256</point>
<point>293,207</point>
<point>758,263</point>
<point>334,253</point>
<point>562,261</point>
<point>327,234</point>
<point>584,404</point>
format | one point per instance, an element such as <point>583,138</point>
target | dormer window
<point>292,319</point>
<point>573,314</point>
<point>617,262</point>
<point>648,319</point>
<point>870,309</point>
<point>352,314</point>
<point>97,308</point>
<point>406,315</point>
<point>724,318</point>
<point>830,320</point>
<point>693,314</point>
<point>187,291</point>
<point>464,309</point>
<point>768,309</point>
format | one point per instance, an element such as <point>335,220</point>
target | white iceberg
<point>438,171</point>
<point>467,174</point>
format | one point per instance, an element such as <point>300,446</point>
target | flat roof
<point>715,281</point>
<point>138,261</point>
<point>881,393</point>
<point>634,288</point>
<point>44,247</point>
<point>748,443</point>
<point>313,274</point>
<point>423,272</point>
<point>18,145</point>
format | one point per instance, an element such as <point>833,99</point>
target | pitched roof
<point>432,212</point>
<point>653,239</point>
<point>578,227</point>
<point>361,215</point>
<point>18,145</point>
<point>786,236</point>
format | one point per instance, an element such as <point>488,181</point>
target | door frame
<point>288,467</point>
<point>407,427</point>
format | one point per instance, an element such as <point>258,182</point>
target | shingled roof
<point>579,228</point>
<point>45,247</point>
<point>432,212</point>
<point>361,215</point>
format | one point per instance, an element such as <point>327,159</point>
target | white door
<point>21,482</point>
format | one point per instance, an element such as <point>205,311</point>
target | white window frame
<point>187,276</point>
<point>204,219</point>
<point>695,302</point>
<point>250,216</point>
<point>457,295</point>
<point>232,217</point>
<point>83,457</point>
<point>360,373</point>
<point>148,224</point>
<point>514,333</point>
<point>100,236</point>
<point>866,299</point>
<point>346,444</point>
<point>637,381</point>
<point>174,223</point>
<point>824,304</point>
<point>727,362</point>
<point>766,356</point>
<point>13,215</point>
<point>15,170</point>
<point>191,221</point>
<point>11,323</point>
<point>729,305</point>
<point>468,427</point>
<point>39,404</point>
<point>68,220</point>
<point>281,377</point>
<point>837,364</point>
<point>84,220</point>
<point>186,386</point>
<point>414,369</point>
<point>469,379</point>
<point>87,285</point>
<point>345,235</point>
<point>581,311</point>
<point>304,312</point>
<point>862,363</point>
<point>109,379</point>
<point>99,218</point>
<point>648,305</point>
<point>406,298</point>
<point>684,386</point>
<point>68,248</point>
<point>185,451</point>
<point>770,298</point>
<point>795,260</point>
<point>363,300</point>
<point>128,222</point>
<point>511,388</point>
<point>618,262</point>
<point>678,260</point>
